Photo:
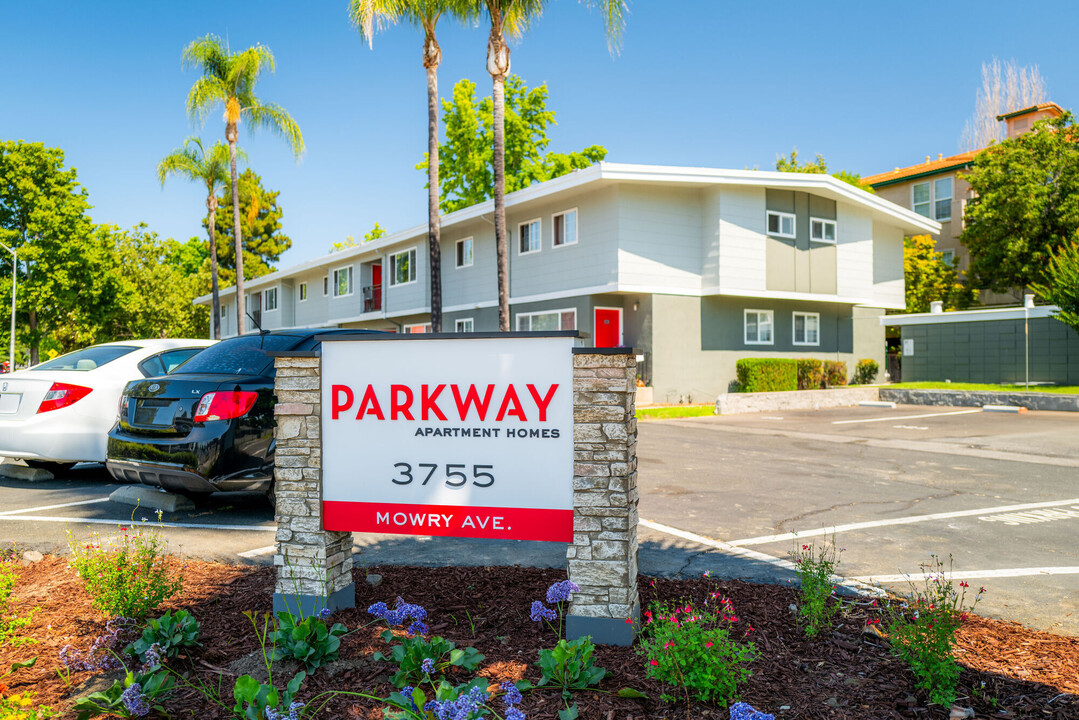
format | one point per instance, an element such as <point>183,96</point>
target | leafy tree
<point>67,277</point>
<point>260,226</point>
<point>928,277</point>
<point>1062,282</point>
<point>1025,205</point>
<point>229,78</point>
<point>468,150</point>
<point>373,234</point>
<point>509,18</point>
<point>211,168</point>
<point>818,166</point>
<point>365,15</point>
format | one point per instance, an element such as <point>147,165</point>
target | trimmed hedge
<point>810,374</point>
<point>767,374</point>
<point>865,371</point>
<point>835,373</point>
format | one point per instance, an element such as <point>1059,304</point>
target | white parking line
<point>978,574</point>
<point>752,554</point>
<point>257,552</point>
<point>905,417</point>
<point>127,523</point>
<point>765,539</point>
<point>53,507</point>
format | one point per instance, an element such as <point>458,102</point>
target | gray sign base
<point>604,631</point>
<point>306,605</point>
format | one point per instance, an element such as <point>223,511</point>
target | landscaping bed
<point>1008,671</point>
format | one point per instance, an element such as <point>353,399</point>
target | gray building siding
<point>992,351</point>
<point>796,264</point>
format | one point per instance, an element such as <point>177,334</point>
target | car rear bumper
<point>175,478</point>
<point>58,436</point>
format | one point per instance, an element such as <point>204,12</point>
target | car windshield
<point>89,358</point>
<point>247,355</point>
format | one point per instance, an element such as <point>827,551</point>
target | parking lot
<point>999,492</point>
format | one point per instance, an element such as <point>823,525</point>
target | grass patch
<point>674,411</point>
<point>988,387</point>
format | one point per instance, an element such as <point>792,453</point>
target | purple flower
<point>153,656</point>
<point>541,612</point>
<point>511,695</point>
<point>560,591</point>
<point>378,609</point>
<point>418,628</point>
<point>135,701</point>
<point>744,711</point>
<point>428,665</point>
<point>514,714</point>
<point>324,613</point>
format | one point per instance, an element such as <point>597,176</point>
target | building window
<point>933,199</point>
<point>303,291</point>
<point>403,267</point>
<point>269,299</point>
<point>548,320</point>
<point>464,253</point>
<point>806,328</point>
<point>821,230</point>
<point>758,327</point>
<point>463,325</point>
<point>325,285</point>
<point>342,281</point>
<point>780,224</point>
<point>418,328</point>
<point>948,256</point>
<point>565,228</point>
<point>530,237</point>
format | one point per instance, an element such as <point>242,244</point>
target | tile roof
<point>1057,110</point>
<point>930,167</point>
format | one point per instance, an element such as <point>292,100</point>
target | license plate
<point>154,413</point>
<point>9,403</point>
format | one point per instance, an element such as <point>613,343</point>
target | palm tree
<point>230,78</point>
<point>510,18</point>
<point>367,15</point>
<point>193,162</point>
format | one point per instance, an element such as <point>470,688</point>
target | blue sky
<point>870,86</point>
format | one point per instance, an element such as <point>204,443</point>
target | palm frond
<point>276,119</point>
<point>181,161</point>
<point>206,53</point>
<point>245,67</point>
<point>204,95</point>
<point>518,14</point>
<point>369,16</point>
<point>614,21</point>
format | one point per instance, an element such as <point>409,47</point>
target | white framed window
<point>565,228</point>
<point>947,256</point>
<point>342,282</point>
<point>821,230</point>
<point>806,328</point>
<point>781,224</point>
<point>529,236</point>
<point>303,291</point>
<point>417,328</point>
<point>325,285</point>
<point>269,299</point>
<point>565,319</point>
<point>403,268</point>
<point>464,253</point>
<point>758,327</point>
<point>933,199</point>
<point>463,325</point>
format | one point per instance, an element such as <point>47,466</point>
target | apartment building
<point>693,267</point>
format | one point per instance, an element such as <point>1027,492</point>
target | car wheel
<point>54,467</point>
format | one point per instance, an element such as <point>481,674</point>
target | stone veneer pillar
<point>314,566</point>
<point>603,556</point>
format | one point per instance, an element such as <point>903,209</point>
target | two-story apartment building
<point>693,267</point>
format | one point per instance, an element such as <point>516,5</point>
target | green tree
<point>927,276</point>
<point>1025,205</point>
<point>229,78</point>
<point>366,15</point>
<point>373,234</point>
<point>818,166</point>
<point>260,226</point>
<point>67,276</point>
<point>1061,287</point>
<point>211,168</point>
<point>468,150</point>
<point>510,18</point>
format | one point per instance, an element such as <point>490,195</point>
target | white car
<point>59,412</point>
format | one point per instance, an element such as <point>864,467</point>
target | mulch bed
<point>1008,671</point>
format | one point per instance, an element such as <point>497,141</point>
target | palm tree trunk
<point>432,55</point>
<point>498,65</point>
<point>230,135</point>
<point>211,221</point>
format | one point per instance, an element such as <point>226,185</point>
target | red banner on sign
<point>499,523</point>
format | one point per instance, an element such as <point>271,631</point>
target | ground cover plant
<point>817,604</point>
<point>675,411</point>
<point>1005,671</point>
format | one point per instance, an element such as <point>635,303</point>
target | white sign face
<point>908,347</point>
<point>464,438</point>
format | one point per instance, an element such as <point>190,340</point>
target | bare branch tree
<point>1006,87</point>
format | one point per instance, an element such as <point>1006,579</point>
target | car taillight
<point>224,405</point>
<point>60,395</point>
<point>123,407</point>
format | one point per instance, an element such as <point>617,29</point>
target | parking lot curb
<point>147,497</point>
<point>22,472</point>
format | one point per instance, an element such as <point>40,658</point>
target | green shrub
<point>865,371</point>
<point>306,640</point>
<point>816,566</point>
<point>125,575</point>
<point>810,373</point>
<point>835,373</point>
<point>170,632</point>
<point>767,374</point>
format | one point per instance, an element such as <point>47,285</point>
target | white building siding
<point>410,296</point>
<point>710,202</point>
<point>854,252</point>
<point>741,239</point>
<point>659,243</point>
<point>475,284</point>
<point>888,291</point>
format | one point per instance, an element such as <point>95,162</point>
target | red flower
<point>629,621</point>
<point>963,585</point>
<point>655,663</point>
<point>708,644</point>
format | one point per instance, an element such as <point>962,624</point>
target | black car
<point>207,426</point>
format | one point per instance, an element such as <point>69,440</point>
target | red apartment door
<point>608,327</point>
